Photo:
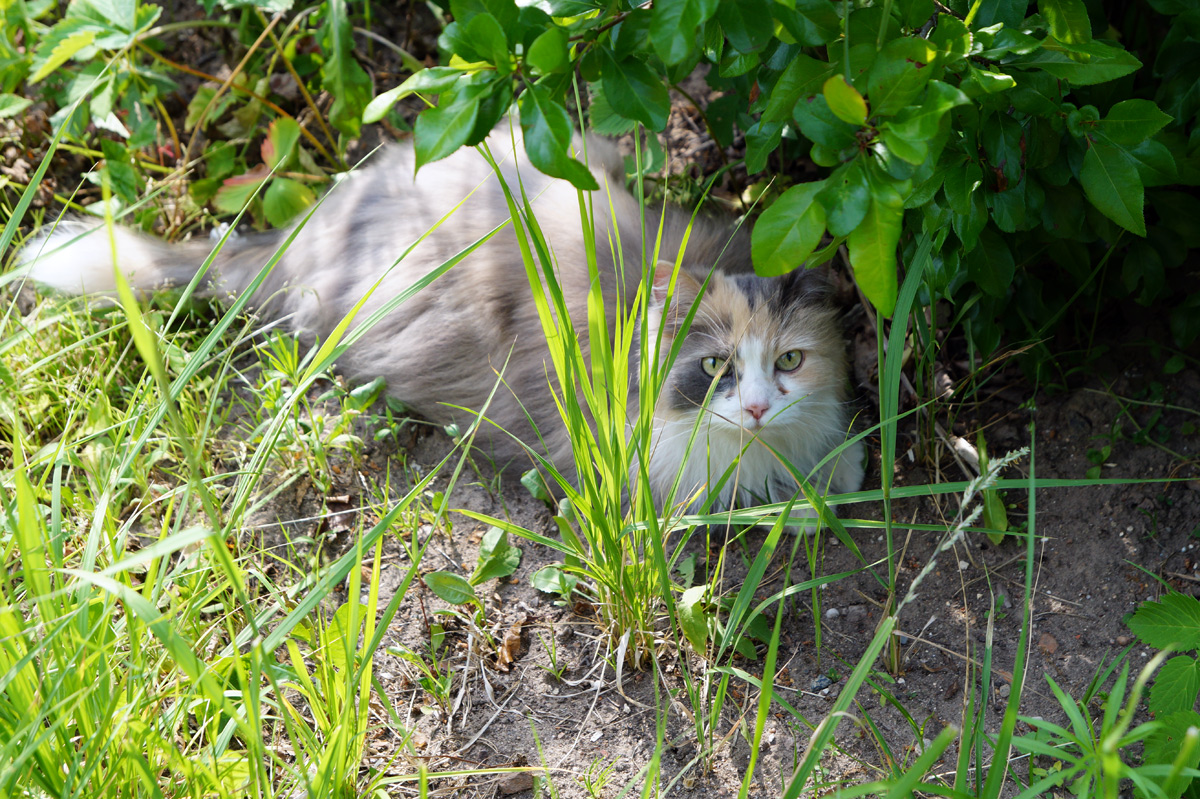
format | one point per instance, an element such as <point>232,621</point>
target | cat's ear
<point>686,287</point>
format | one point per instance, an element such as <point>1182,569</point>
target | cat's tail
<point>77,257</point>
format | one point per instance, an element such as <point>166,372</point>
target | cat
<point>762,365</point>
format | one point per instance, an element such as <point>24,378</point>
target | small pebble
<point>597,735</point>
<point>820,683</point>
<point>1124,640</point>
<point>832,613</point>
<point>962,565</point>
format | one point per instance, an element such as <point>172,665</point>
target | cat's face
<point>762,355</point>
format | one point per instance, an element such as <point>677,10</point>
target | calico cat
<point>773,347</point>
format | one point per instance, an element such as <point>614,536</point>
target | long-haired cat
<point>762,365</point>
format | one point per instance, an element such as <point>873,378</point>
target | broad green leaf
<point>811,22</point>
<point>845,101</point>
<point>62,52</point>
<point>1164,745</point>
<point>761,140</point>
<point>913,150</point>
<point>819,125</point>
<point>693,617</point>
<point>952,38</point>
<point>1112,184</point>
<point>343,78</point>
<point>1174,620</point>
<point>1154,163</point>
<point>802,77</point>
<point>602,118</point>
<point>921,122</point>
<point>788,231</point>
<point>554,580</point>
<point>987,81</point>
<point>12,104</point>
<point>236,192</point>
<point>281,138</point>
<point>284,199</point>
<point>442,130</point>
<point>873,247</point>
<point>488,39</point>
<point>673,27</point>
<point>1103,62</point>
<point>846,198</point>
<point>497,557</point>
<point>1176,686</point>
<point>747,24</point>
<point>1131,122</point>
<point>548,53</point>
<point>898,75</point>
<point>960,183</point>
<point>635,92</point>
<point>548,133</point>
<point>450,587</point>
<point>1068,20</point>
<point>991,264</point>
<point>427,81</point>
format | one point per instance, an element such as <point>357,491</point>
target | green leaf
<point>488,39</point>
<point>635,92</point>
<point>846,198</point>
<point>1103,62</point>
<point>913,150</point>
<point>812,23</point>
<point>12,104</point>
<point>281,138</point>
<point>237,191</point>
<point>1131,122</point>
<point>693,617</point>
<point>802,77</point>
<point>960,183</point>
<point>343,78</point>
<point>548,133</point>
<point>817,122</point>
<point>548,53</point>
<point>450,587</point>
<point>747,24</point>
<point>788,231</point>
<point>62,52</point>
<point>1154,163</point>
<point>952,38</point>
<point>284,199</point>
<point>1176,686</point>
<point>898,75</point>
<point>535,484</point>
<point>1112,184</point>
<point>673,27</point>
<point>442,130</point>
<point>873,247</point>
<point>761,140</point>
<point>922,122</point>
<point>1164,745</point>
<point>1068,20</point>
<point>497,558</point>
<point>845,101</point>
<point>1174,620</point>
<point>991,264</point>
<point>427,81</point>
<point>554,580</point>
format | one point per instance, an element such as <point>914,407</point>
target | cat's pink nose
<point>757,410</point>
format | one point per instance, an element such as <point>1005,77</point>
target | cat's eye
<point>712,365</point>
<point>790,361</point>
